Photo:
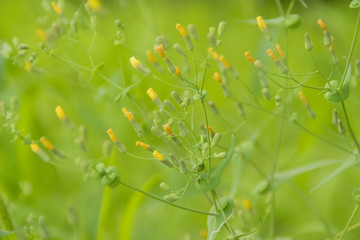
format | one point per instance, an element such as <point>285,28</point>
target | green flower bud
<point>169,105</point>
<point>171,197</point>
<point>107,148</point>
<point>164,186</point>
<point>221,28</point>
<point>216,140</point>
<point>179,49</point>
<point>192,31</point>
<point>176,97</point>
<point>308,42</point>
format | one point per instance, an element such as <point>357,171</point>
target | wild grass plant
<point>179,140</point>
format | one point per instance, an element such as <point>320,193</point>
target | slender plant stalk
<point>350,128</point>
<point>356,209</point>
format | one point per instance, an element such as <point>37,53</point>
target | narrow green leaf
<point>4,233</point>
<point>292,20</point>
<point>281,178</point>
<point>215,223</point>
<point>208,184</point>
<point>348,163</point>
<point>303,3</point>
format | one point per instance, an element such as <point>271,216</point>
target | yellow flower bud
<point>143,145</point>
<point>56,8</point>
<point>34,147</point>
<point>247,204</point>
<point>160,50</point>
<point>278,48</point>
<point>217,77</point>
<point>168,129</point>
<point>95,5</point>
<point>128,114</point>
<point>158,156</point>
<point>223,60</point>
<point>177,71</point>
<point>134,62</point>
<point>249,57</point>
<point>152,94</point>
<point>60,113</point>
<point>46,143</point>
<point>271,54</point>
<point>150,56</point>
<point>181,30</point>
<point>261,23</point>
<point>322,24</point>
<point>303,98</point>
<point>111,135</point>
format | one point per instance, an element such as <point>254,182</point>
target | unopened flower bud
<point>308,42</point>
<point>266,93</point>
<point>164,186</point>
<point>171,197</point>
<point>174,159</point>
<point>341,127</point>
<point>221,28</point>
<point>192,31</point>
<point>216,139</point>
<point>179,49</point>
<point>183,168</point>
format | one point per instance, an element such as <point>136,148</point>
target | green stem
<point>291,5</point>
<point>349,221</point>
<point>216,200</point>
<point>280,8</point>
<point>350,129</point>
<point>169,203</point>
<point>351,48</point>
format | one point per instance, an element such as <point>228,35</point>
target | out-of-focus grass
<point>53,189</point>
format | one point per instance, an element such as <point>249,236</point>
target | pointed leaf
<point>303,3</point>
<point>210,183</point>
<point>348,163</point>
<point>4,233</point>
<point>355,4</point>
<point>281,178</point>
<point>215,223</point>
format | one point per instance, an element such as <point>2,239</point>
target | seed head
<point>160,50</point>
<point>128,114</point>
<point>181,30</point>
<point>56,8</point>
<point>249,57</point>
<point>46,143</point>
<point>111,135</point>
<point>322,24</point>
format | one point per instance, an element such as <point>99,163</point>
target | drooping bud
<point>216,139</point>
<point>169,105</point>
<point>259,65</point>
<point>156,131</point>
<point>176,97</point>
<point>334,117</point>
<point>308,42</point>
<point>192,31</point>
<point>183,168</point>
<point>221,28</point>
<point>171,197</point>
<point>183,131</point>
<point>174,159</point>
<point>341,127</point>
<point>164,186</point>
<point>179,49</point>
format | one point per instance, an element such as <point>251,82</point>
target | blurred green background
<point>30,186</point>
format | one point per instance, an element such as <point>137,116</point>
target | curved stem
<point>351,48</point>
<point>350,129</point>
<point>349,221</point>
<point>169,203</point>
